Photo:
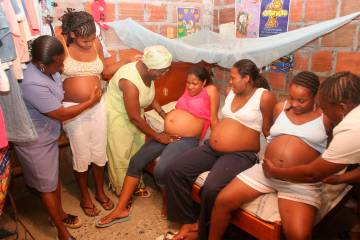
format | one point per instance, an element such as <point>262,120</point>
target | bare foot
<point>185,229</point>
<point>114,214</point>
<point>192,236</point>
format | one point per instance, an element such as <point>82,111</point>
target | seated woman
<point>232,148</point>
<point>298,136</point>
<point>195,111</point>
<point>339,98</point>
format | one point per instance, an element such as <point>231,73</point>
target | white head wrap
<point>157,57</point>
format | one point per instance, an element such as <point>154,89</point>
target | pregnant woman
<point>83,68</point>
<point>43,93</point>
<point>232,148</point>
<point>298,136</point>
<point>196,110</point>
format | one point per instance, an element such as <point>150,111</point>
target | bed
<point>260,218</point>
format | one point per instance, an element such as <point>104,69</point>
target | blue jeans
<point>168,154</point>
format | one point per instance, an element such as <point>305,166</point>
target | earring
<point>42,69</point>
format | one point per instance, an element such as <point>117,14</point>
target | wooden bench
<point>257,227</point>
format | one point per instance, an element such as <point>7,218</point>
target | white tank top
<point>313,133</point>
<point>248,115</point>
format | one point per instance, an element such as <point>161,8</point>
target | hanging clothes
<point>32,16</point>
<point>19,126</point>
<point>18,35</point>
<point>7,46</point>
<point>24,22</point>
<point>4,176</point>
<point>4,81</point>
<point>3,136</point>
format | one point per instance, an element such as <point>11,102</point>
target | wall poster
<point>188,21</point>
<point>247,18</point>
<point>274,17</point>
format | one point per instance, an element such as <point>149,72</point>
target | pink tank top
<point>198,105</point>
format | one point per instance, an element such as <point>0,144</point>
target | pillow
<point>154,120</point>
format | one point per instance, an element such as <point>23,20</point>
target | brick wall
<point>336,51</point>
<point>157,15</point>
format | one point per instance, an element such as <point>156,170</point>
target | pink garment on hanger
<point>98,8</point>
<point>32,17</point>
<point>24,22</point>
<point>3,137</point>
<point>198,105</point>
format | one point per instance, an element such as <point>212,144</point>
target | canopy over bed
<point>211,47</point>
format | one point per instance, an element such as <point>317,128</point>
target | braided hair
<point>342,87</point>
<point>80,23</point>
<point>308,80</point>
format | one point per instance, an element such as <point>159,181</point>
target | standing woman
<point>42,92</point>
<point>83,69</point>
<point>130,91</point>
<point>232,148</point>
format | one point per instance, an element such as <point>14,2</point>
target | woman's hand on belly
<point>165,138</point>
<point>288,151</point>
<point>268,168</point>
<point>79,89</point>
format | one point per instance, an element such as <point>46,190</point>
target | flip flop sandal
<point>92,211</point>
<point>70,221</point>
<point>112,222</point>
<point>167,236</point>
<point>142,192</point>
<point>106,205</point>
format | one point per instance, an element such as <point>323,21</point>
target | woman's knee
<point>159,174</point>
<point>225,202</point>
<point>209,190</point>
<point>134,169</point>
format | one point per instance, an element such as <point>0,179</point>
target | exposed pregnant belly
<point>231,136</point>
<point>288,151</point>
<point>182,123</point>
<point>78,89</point>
